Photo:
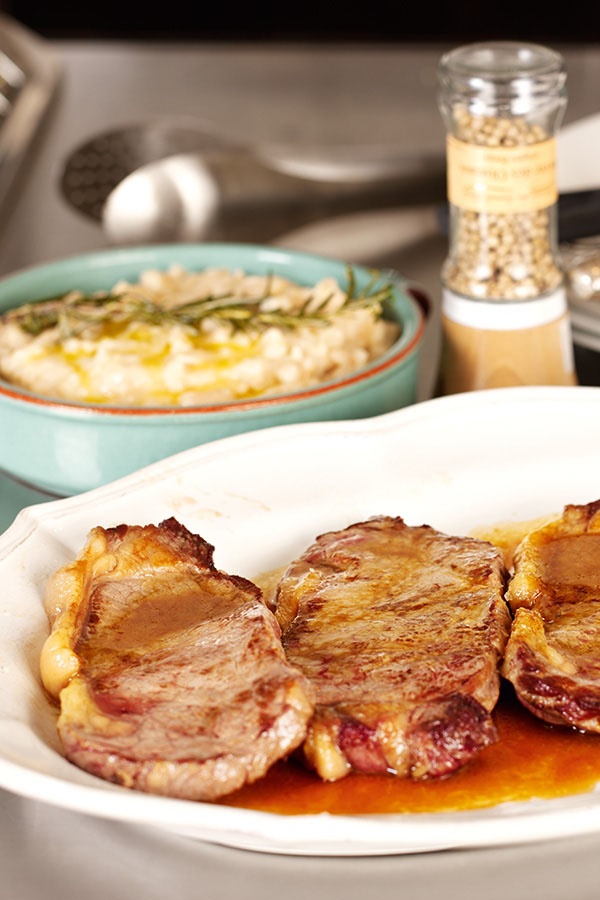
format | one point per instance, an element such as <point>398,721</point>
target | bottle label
<point>502,180</point>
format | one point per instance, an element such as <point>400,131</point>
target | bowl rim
<point>412,294</point>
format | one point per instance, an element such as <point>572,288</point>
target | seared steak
<point>553,654</point>
<point>400,630</point>
<point>171,674</point>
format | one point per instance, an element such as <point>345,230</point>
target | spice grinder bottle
<point>504,306</point>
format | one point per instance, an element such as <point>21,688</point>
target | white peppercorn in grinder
<point>505,318</point>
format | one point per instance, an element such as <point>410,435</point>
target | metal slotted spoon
<point>98,165</point>
<point>170,181</point>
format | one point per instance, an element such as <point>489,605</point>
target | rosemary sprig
<point>74,312</point>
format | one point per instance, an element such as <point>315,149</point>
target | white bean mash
<point>180,338</point>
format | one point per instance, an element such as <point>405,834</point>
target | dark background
<point>303,20</point>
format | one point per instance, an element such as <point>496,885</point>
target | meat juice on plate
<point>531,759</point>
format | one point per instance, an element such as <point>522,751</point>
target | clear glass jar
<point>502,103</point>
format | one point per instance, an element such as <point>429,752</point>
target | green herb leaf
<point>74,312</point>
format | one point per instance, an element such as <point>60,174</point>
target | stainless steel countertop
<point>257,93</point>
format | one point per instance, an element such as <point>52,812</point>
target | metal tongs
<point>29,75</point>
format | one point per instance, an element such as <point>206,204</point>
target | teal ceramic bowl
<point>66,448</point>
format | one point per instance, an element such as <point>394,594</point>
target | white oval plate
<point>457,463</point>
